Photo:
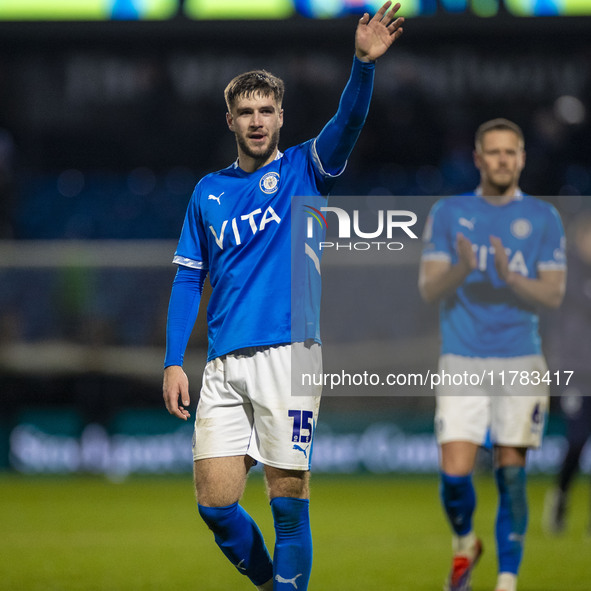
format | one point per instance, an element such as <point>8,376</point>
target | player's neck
<point>250,164</point>
<point>497,196</point>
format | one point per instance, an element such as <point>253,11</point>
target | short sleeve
<point>437,244</point>
<point>192,247</point>
<point>553,248</point>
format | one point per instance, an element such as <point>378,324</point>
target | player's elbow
<point>556,298</point>
<point>428,294</point>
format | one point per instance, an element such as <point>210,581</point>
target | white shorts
<point>513,406</point>
<point>246,407</point>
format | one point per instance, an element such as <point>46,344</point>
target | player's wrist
<point>363,57</point>
<point>512,278</point>
<point>465,267</point>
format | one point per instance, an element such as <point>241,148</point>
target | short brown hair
<point>497,124</point>
<point>254,82</point>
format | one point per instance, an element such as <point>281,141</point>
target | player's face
<point>500,159</point>
<point>256,121</point>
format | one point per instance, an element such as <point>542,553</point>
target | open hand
<point>501,258</point>
<point>466,254</point>
<point>374,36</point>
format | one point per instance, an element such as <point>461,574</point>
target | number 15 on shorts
<point>302,422</point>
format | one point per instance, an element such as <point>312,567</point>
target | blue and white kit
<point>238,229</point>
<point>484,325</point>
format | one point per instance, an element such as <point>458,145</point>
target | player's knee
<point>217,518</point>
<point>287,483</point>
<point>290,515</point>
<point>511,479</point>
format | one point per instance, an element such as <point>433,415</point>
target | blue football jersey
<point>238,227</point>
<point>484,318</point>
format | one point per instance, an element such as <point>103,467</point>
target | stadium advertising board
<point>144,441</point>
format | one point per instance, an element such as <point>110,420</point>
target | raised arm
<point>373,37</point>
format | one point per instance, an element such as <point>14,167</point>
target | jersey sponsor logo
<point>280,579</point>
<point>269,182</point>
<point>516,259</point>
<point>238,224</point>
<point>467,223</point>
<point>216,198</point>
<point>521,228</point>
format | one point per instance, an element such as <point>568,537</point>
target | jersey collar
<point>277,157</point>
<point>518,195</point>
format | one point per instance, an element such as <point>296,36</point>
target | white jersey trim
<point>277,157</point>
<point>518,196</point>
<point>319,165</point>
<point>310,252</point>
<point>551,266</point>
<point>436,256</point>
<point>185,262</point>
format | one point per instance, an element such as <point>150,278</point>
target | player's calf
<point>512,517</point>
<point>241,541</point>
<point>292,560</point>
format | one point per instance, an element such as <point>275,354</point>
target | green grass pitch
<point>370,534</point>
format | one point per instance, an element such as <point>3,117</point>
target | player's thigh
<point>223,420</point>
<point>287,483</point>
<point>219,482</point>
<point>518,421</point>
<point>509,456</point>
<point>284,423</point>
<point>462,411</point>
<point>457,458</point>
<point>462,418</point>
<point>519,406</point>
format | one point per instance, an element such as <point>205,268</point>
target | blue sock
<point>240,540</point>
<point>511,517</point>
<point>292,560</point>
<point>459,501</point>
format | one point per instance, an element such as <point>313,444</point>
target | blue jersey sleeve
<point>182,312</point>
<point>553,247</point>
<point>335,142</point>
<point>192,247</point>
<point>438,244</point>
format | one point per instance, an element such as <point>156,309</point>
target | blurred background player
<point>573,345</point>
<point>237,229</point>
<point>490,259</point>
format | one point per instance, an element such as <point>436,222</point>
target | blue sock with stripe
<point>240,539</point>
<point>292,560</point>
<point>511,517</point>
<point>459,501</point>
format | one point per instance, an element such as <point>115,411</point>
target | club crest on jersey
<point>269,182</point>
<point>521,228</point>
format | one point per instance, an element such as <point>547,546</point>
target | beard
<point>260,155</point>
<point>502,182</point>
